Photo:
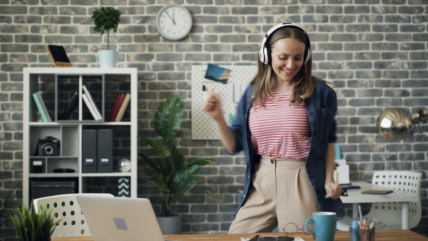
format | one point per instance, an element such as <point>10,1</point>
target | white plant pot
<point>170,225</point>
<point>107,58</point>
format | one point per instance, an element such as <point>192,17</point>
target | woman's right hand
<point>212,106</point>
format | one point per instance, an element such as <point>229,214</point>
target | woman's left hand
<point>333,190</point>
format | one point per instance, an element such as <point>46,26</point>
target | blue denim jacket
<point>321,107</point>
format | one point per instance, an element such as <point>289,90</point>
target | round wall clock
<point>174,22</point>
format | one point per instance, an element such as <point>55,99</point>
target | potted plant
<point>32,226</point>
<point>106,18</point>
<point>172,174</point>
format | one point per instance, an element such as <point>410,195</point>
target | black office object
<point>64,170</point>
<point>58,53</point>
<point>45,188</point>
<point>49,146</point>
<point>59,56</point>
<point>37,166</point>
<point>105,151</point>
<point>89,151</point>
<point>349,186</point>
<point>72,104</point>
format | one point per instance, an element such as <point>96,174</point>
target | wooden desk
<point>381,235</point>
<point>355,197</point>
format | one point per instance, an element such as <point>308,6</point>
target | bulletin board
<point>203,126</point>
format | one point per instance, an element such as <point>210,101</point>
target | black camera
<point>47,147</point>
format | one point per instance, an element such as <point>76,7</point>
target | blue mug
<point>324,225</point>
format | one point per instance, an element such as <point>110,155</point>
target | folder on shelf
<point>40,107</point>
<point>89,151</point>
<point>72,104</point>
<point>123,107</point>
<point>91,109</point>
<point>105,151</point>
<point>92,101</point>
<point>117,106</point>
<point>44,106</point>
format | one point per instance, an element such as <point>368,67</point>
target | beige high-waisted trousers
<point>281,193</point>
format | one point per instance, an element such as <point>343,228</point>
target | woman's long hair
<point>303,86</point>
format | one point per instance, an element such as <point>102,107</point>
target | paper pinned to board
<point>204,127</point>
<point>217,73</point>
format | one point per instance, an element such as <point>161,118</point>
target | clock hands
<point>176,27</point>
<point>170,17</point>
<point>169,28</point>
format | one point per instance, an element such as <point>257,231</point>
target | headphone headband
<point>265,53</point>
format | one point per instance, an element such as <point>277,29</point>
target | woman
<point>285,125</point>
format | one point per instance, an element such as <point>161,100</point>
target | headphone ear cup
<point>268,56</point>
<point>308,55</point>
<point>265,55</point>
<point>262,55</point>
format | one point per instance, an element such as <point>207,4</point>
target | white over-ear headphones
<point>265,51</point>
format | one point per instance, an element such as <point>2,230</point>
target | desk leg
<point>355,210</point>
<point>404,215</point>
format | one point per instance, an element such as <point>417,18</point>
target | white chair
<point>388,215</point>
<point>66,208</point>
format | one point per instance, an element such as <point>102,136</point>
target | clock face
<point>174,22</point>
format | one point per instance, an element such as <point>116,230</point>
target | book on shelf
<point>44,106</point>
<point>92,102</point>
<point>91,109</point>
<point>123,107</point>
<point>116,107</point>
<point>110,116</point>
<point>40,107</point>
<point>72,104</point>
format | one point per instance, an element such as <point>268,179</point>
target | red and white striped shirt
<point>280,130</point>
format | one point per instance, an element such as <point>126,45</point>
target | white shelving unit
<point>56,83</point>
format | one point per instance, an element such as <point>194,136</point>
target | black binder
<point>72,104</point>
<point>89,151</point>
<point>105,151</point>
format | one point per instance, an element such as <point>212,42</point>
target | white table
<point>355,197</point>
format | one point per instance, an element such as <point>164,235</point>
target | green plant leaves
<point>176,159</point>
<point>161,185</point>
<point>161,149</point>
<point>172,177</point>
<point>106,18</point>
<point>11,194</point>
<point>182,181</point>
<point>168,118</point>
<point>32,226</point>
<point>150,163</point>
<point>201,162</point>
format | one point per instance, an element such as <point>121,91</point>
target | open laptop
<point>117,219</point>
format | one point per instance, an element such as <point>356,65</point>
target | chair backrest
<point>406,181</point>
<point>67,209</point>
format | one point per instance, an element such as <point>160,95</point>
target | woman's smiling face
<point>287,58</point>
